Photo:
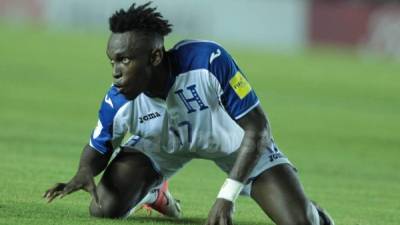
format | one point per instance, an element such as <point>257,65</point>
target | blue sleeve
<point>102,135</point>
<point>238,96</point>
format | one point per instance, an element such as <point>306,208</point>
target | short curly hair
<point>141,18</point>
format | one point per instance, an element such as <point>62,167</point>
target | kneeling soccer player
<point>191,101</point>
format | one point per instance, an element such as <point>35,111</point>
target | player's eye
<point>126,60</point>
<point>112,62</point>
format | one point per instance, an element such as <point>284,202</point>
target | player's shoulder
<point>111,104</point>
<point>114,100</point>
<point>196,54</point>
<point>199,45</point>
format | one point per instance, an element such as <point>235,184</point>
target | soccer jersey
<point>207,93</point>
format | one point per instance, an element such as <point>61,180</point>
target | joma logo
<point>149,116</point>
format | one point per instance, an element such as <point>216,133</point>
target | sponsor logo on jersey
<point>215,55</point>
<point>149,116</point>
<point>108,101</point>
<point>240,85</point>
<point>276,156</point>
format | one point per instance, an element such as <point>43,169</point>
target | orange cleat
<point>165,203</point>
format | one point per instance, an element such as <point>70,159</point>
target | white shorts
<point>167,164</point>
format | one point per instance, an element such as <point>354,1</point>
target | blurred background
<point>367,25</point>
<point>326,73</point>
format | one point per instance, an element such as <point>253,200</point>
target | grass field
<point>336,116</point>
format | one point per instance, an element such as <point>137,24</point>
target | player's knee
<point>306,216</point>
<point>106,211</point>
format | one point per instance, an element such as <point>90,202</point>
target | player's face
<point>129,54</point>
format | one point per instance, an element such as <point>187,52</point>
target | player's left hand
<point>221,213</point>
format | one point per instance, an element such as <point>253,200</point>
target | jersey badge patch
<point>240,85</point>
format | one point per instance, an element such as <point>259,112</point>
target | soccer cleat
<point>324,215</point>
<point>165,203</point>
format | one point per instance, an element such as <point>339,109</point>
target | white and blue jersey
<point>207,93</point>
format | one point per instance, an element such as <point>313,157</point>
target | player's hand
<point>83,180</point>
<point>221,213</point>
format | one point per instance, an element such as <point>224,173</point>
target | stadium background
<point>327,73</point>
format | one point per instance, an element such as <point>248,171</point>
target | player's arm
<point>257,137</point>
<point>107,136</point>
<point>241,103</point>
<point>255,141</point>
<point>91,164</point>
<point>93,161</point>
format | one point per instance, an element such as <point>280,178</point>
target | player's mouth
<point>119,87</point>
<point>120,90</point>
<point>124,91</point>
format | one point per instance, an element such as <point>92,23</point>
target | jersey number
<point>181,126</point>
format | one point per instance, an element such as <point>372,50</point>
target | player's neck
<point>159,85</point>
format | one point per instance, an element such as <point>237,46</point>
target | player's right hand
<point>221,213</point>
<point>82,180</point>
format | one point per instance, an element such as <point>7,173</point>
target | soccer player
<point>191,101</point>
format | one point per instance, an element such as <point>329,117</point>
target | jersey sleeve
<point>238,97</point>
<point>108,133</point>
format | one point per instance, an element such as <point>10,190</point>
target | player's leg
<point>280,194</point>
<point>276,188</point>
<point>126,181</point>
<point>129,182</point>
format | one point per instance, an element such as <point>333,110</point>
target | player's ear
<point>156,57</point>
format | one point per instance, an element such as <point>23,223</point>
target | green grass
<point>334,114</point>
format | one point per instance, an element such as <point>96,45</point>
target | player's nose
<point>117,79</point>
<point>117,75</point>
